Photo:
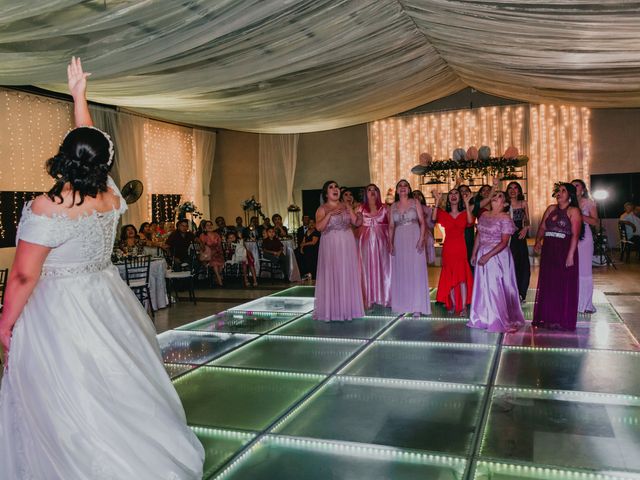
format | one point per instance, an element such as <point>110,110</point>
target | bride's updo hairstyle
<point>84,160</point>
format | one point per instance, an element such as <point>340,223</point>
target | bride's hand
<point>77,78</point>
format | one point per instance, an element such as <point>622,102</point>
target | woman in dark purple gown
<point>556,304</point>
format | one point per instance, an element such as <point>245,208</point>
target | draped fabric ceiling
<point>286,66</point>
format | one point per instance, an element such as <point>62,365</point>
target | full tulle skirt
<point>85,394</point>
<point>585,273</point>
<point>376,265</point>
<point>338,281</point>
<point>556,304</point>
<point>495,304</point>
<point>409,280</point>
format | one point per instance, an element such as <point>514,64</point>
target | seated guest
<point>129,240</point>
<point>211,253</point>
<point>632,223</point>
<point>241,229</point>
<point>254,231</point>
<point>273,250</point>
<point>180,241</point>
<point>222,229</point>
<point>237,254</point>
<point>280,229</point>
<point>266,224</point>
<point>302,231</point>
<point>309,250</point>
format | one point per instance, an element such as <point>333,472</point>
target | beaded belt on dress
<point>72,270</point>
<point>555,234</point>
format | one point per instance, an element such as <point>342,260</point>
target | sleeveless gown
<point>520,252</point>
<point>339,281</point>
<point>455,264</point>
<point>85,394</point>
<point>409,280</point>
<point>373,242</point>
<point>585,254</point>
<point>556,305</point>
<point>496,302</point>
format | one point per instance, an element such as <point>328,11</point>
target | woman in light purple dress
<point>585,248</point>
<point>373,240</point>
<point>409,281</point>
<point>338,281</point>
<point>561,227</point>
<point>496,302</point>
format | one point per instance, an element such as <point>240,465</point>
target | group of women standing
<point>378,254</point>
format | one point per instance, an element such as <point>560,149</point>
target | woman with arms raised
<point>84,393</point>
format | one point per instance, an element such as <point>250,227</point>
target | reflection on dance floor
<point>273,394</point>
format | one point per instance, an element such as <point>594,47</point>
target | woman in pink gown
<point>496,302</point>
<point>585,248</point>
<point>339,282</point>
<point>409,281</point>
<point>373,240</point>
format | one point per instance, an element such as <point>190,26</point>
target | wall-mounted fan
<point>132,191</point>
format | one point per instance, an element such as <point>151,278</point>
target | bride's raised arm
<point>77,80</point>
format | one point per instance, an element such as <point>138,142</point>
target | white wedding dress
<point>85,395</point>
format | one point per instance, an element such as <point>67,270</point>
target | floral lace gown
<point>85,394</point>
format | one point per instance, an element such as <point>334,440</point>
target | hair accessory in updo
<point>106,136</point>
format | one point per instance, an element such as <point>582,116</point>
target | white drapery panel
<point>309,65</point>
<point>204,143</point>
<point>129,141</point>
<point>557,140</point>
<point>277,159</point>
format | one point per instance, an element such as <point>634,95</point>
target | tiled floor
<point>273,394</point>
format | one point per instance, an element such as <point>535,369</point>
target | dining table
<point>157,283</point>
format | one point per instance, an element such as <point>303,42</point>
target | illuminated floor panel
<point>293,354</point>
<point>292,305</point>
<point>568,430</point>
<point>196,348</point>
<point>396,414</point>
<point>239,399</point>
<point>426,330</point>
<point>357,328</point>
<point>297,459</point>
<point>240,322</point>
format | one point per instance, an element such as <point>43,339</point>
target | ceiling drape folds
<point>308,65</point>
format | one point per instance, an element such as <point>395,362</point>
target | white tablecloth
<point>157,284</point>
<point>294,271</point>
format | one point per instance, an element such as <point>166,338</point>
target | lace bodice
<point>338,222</point>
<point>410,215</point>
<point>558,221</point>
<point>491,229</point>
<point>79,245</point>
<point>519,214</point>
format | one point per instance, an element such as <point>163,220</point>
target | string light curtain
<point>557,140</point>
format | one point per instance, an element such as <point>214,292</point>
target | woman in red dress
<point>456,281</point>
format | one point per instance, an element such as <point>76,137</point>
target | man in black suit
<point>300,233</point>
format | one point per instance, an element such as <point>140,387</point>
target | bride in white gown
<point>84,394</point>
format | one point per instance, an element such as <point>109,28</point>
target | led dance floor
<point>273,394</point>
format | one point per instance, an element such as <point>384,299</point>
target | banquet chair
<point>266,265</point>
<point>137,276</point>
<point>186,276</point>
<point>3,283</point>
<point>626,245</point>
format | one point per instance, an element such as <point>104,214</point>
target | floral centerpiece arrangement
<point>188,209</point>
<point>293,208</point>
<point>251,204</point>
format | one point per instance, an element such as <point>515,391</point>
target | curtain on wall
<point>205,149</point>
<point>557,140</point>
<point>276,170</point>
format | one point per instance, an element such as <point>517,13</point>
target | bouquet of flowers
<point>252,204</point>
<point>293,208</point>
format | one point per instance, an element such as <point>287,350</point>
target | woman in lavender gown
<point>556,304</point>
<point>429,243</point>
<point>496,303</point>
<point>409,281</point>
<point>585,248</point>
<point>339,283</point>
<point>373,240</point>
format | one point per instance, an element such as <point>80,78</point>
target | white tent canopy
<point>285,66</point>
